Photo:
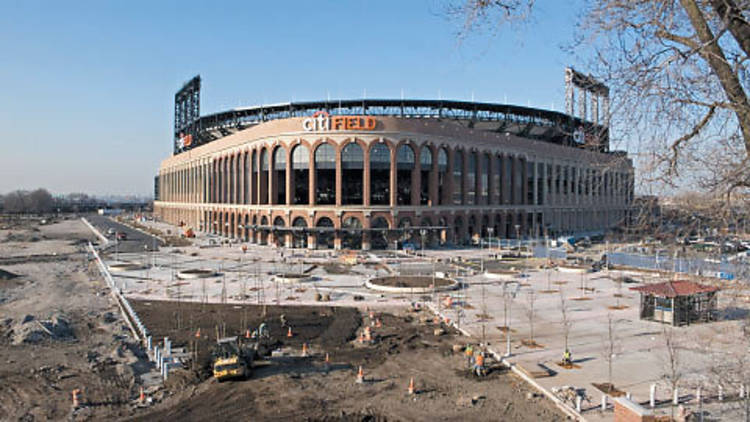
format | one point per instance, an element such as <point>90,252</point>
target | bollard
<point>742,391</point>
<point>676,397</point>
<point>578,404</point>
<point>627,395</point>
<point>157,353</point>
<point>698,395</point>
<point>148,343</point>
<point>604,402</point>
<point>721,393</point>
<point>652,396</point>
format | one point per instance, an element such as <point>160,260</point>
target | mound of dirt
<point>32,330</point>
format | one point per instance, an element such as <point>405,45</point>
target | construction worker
<point>469,355</point>
<point>263,329</point>
<point>282,318</point>
<point>566,357</point>
<point>254,335</point>
<point>479,364</point>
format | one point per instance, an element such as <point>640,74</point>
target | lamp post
<point>518,237</point>
<point>490,230</point>
<point>423,233</point>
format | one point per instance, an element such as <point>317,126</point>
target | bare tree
<point>530,299</point>
<point>565,322</point>
<point>678,71</point>
<point>672,372</point>
<point>610,346</point>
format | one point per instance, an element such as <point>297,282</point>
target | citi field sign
<point>321,121</point>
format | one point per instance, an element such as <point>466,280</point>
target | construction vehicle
<point>232,360</point>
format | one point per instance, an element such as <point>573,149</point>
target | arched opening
<point>352,174</point>
<point>325,233</point>
<point>426,240</point>
<point>485,225</point>
<point>300,175</point>
<point>231,197</point>
<point>380,175</point>
<point>263,176</point>
<point>473,229</point>
<point>404,170</point>
<point>442,177</point>
<point>351,235</point>
<point>379,233</point>
<point>458,230</point>
<point>443,231</point>
<point>299,233</point>
<point>246,175</point>
<point>279,175</point>
<point>425,162</point>
<point>264,230</point>
<point>278,234</point>
<point>325,175</point>
<point>458,183</point>
<point>246,229</point>
<point>407,233</point>
<point>499,226</point>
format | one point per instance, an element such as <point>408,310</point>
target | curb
<point>96,232</point>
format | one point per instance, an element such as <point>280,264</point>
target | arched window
<point>380,175</point>
<point>300,175</point>
<point>254,178</point>
<point>263,176</point>
<point>404,170</point>
<point>458,184</point>
<point>279,175</point>
<point>425,162</point>
<point>471,179</point>
<point>325,175</point>
<point>442,177</point>
<point>484,180</point>
<point>352,174</point>
<point>247,176</point>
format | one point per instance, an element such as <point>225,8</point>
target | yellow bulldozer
<point>231,359</point>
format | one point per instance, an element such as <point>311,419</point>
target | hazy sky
<point>88,87</point>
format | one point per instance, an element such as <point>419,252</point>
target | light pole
<point>423,233</point>
<point>490,230</point>
<point>518,237</point>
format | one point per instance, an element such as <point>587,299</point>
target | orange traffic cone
<point>247,333</point>
<point>327,360</point>
<point>141,396</point>
<point>198,333</point>
<point>368,334</point>
<point>304,349</point>
<point>289,332</point>
<point>411,386</point>
<point>360,376</point>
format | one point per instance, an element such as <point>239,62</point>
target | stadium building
<point>375,174</point>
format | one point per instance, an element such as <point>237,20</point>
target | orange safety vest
<point>480,360</point>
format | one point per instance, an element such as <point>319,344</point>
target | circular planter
<point>505,275</point>
<point>291,277</point>
<point>195,273</point>
<point>411,284</point>
<point>115,268</point>
<point>571,269</point>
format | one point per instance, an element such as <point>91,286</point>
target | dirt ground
<point>86,344</point>
<point>297,388</point>
<point>60,330</point>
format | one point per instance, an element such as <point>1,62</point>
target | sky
<point>88,87</point>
